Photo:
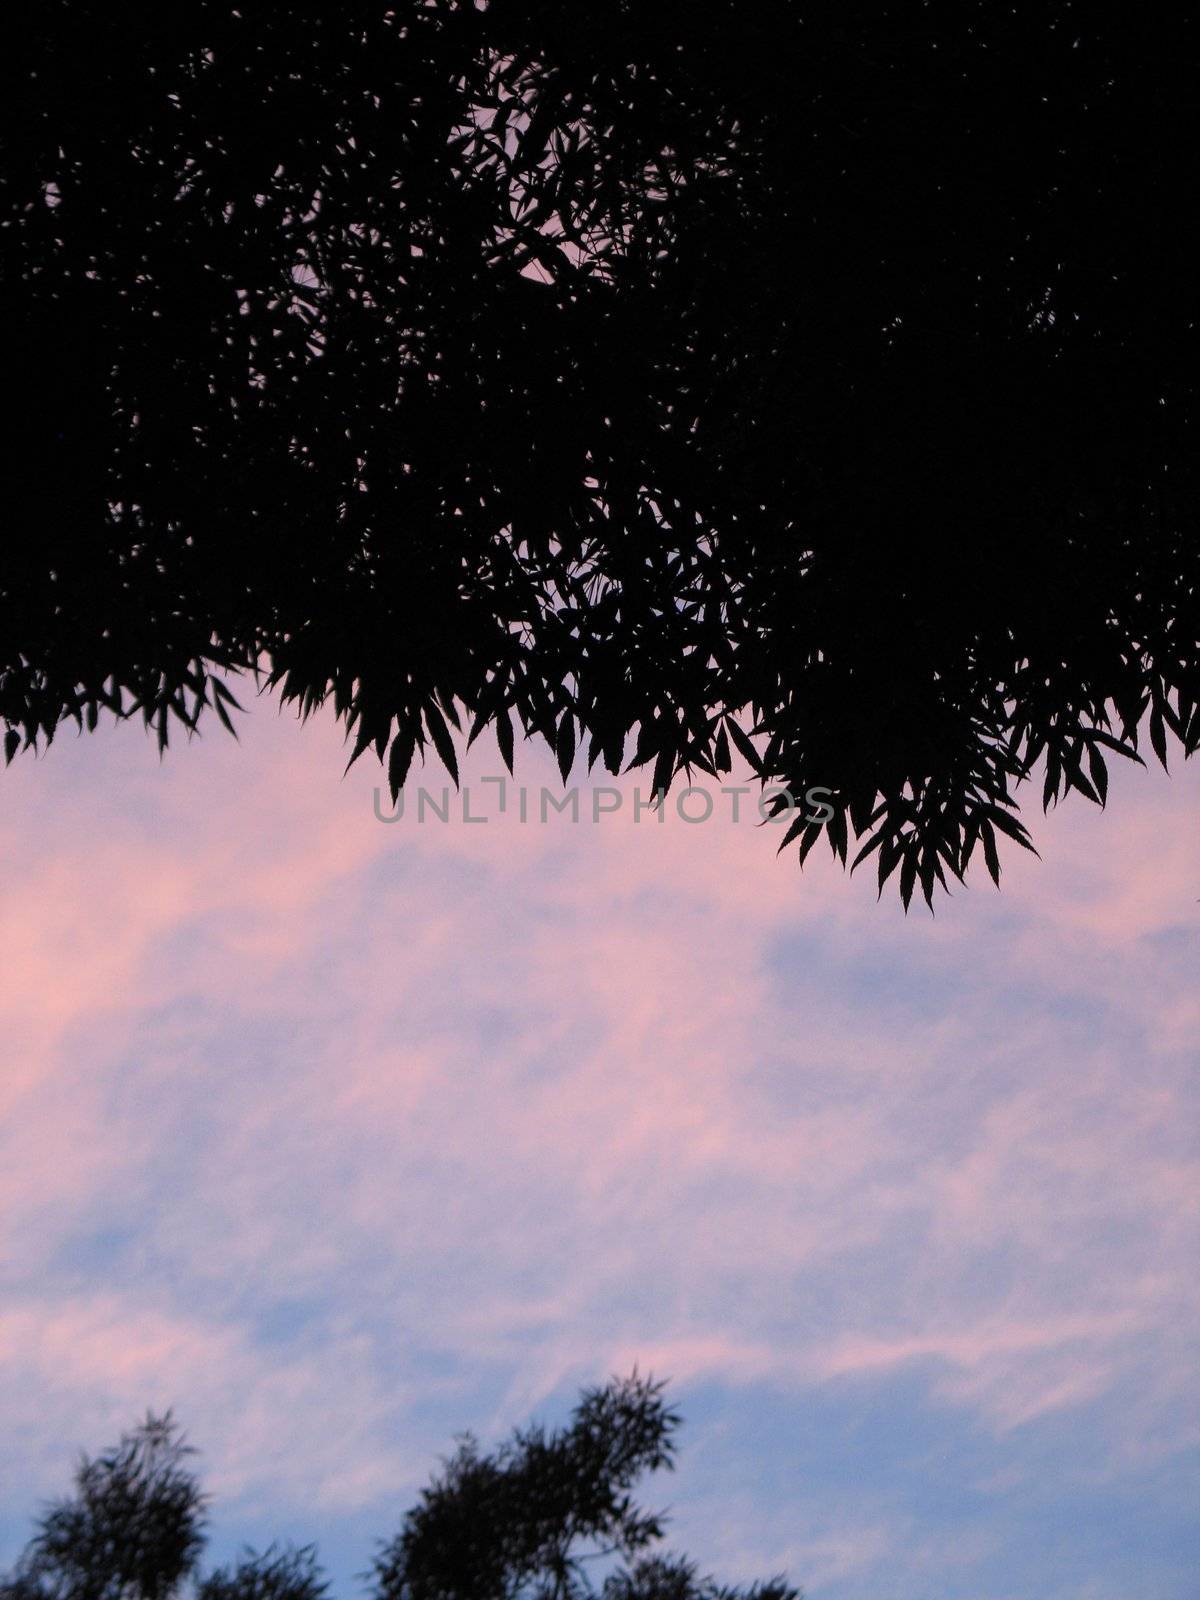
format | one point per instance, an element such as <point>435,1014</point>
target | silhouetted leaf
<point>565,744</point>
<point>504,737</point>
<point>908,877</point>
<point>747,751</point>
<point>1099,773</point>
<point>442,742</point>
<point>399,761</point>
<point>1158,735</point>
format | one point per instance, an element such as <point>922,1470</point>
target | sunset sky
<point>342,1137</point>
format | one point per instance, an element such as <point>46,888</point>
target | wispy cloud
<point>327,1130</point>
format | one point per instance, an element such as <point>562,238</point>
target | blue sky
<point>342,1137</point>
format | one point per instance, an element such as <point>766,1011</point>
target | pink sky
<point>341,1136</point>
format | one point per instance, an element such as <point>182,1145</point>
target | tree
<point>521,1524</point>
<point>631,377</point>
<point>134,1528</point>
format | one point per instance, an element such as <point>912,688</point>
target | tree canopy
<point>630,376</point>
<point>521,1524</point>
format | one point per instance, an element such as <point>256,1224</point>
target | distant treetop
<point>526,1523</point>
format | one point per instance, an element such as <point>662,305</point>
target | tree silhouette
<point>627,376</point>
<point>134,1528</point>
<point>521,1524</point>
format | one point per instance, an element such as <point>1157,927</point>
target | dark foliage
<point>606,373</point>
<point>133,1531</point>
<point>287,1574</point>
<point>519,1525</point>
